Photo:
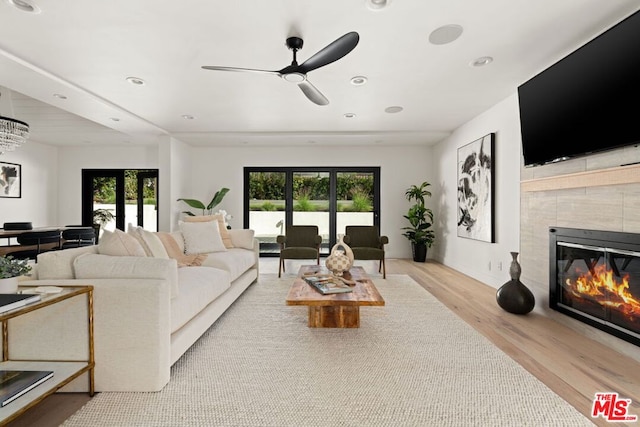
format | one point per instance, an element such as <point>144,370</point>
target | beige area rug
<point>411,363</point>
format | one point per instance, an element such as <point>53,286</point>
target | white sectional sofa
<point>147,310</point>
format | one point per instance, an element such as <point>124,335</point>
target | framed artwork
<point>475,189</point>
<point>10,180</point>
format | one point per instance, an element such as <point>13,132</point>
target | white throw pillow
<point>201,237</point>
<point>119,243</point>
<point>224,233</point>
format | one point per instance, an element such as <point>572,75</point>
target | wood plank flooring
<point>571,365</point>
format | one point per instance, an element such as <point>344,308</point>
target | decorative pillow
<point>226,239</point>
<point>119,243</point>
<point>242,238</point>
<point>201,237</point>
<point>150,242</point>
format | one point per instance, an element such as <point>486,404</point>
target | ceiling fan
<point>295,73</point>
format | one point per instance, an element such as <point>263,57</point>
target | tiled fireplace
<point>595,278</point>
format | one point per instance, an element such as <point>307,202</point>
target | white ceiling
<point>85,50</point>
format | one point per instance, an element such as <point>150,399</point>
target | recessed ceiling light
<point>482,61</point>
<point>393,109</point>
<point>135,81</point>
<point>188,117</point>
<point>445,34</point>
<point>350,115</point>
<point>115,119</point>
<point>25,5</point>
<point>377,4</point>
<point>311,142</point>
<point>358,80</point>
<point>59,96</point>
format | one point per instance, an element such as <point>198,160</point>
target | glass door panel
<point>267,208</point>
<point>330,198</point>
<point>355,196</point>
<point>311,203</point>
<point>146,203</point>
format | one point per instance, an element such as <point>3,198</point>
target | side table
<point>63,371</point>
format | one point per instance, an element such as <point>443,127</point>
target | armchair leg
<point>280,266</point>
<point>384,269</point>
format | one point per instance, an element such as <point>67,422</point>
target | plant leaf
<point>193,203</point>
<point>217,198</point>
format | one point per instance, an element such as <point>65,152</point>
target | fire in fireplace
<point>595,278</point>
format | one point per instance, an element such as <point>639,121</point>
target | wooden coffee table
<point>336,310</point>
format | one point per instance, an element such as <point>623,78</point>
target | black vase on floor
<point>419,252</point>
<point>514,296</point>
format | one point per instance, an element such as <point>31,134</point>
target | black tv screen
<point>587,102</point>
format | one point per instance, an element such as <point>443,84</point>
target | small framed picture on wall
<point>10,180</point>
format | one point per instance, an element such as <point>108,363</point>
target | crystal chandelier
<point>13,133</point>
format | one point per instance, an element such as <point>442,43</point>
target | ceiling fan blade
<point>331,53</point>
<point>312,93</point>
<point>251,70</point>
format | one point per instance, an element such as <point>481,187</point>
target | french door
<point>329,197</point>
<point>130,195</point>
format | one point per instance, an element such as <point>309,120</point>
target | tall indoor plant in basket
<point>419,232</point>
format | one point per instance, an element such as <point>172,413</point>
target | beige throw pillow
<point>119,243</point>
<point>224,233</point>
<point>149,241</point>
<point>201,237</point>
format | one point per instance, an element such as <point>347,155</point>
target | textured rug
<point>411,363</point>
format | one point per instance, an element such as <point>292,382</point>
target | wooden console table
<point>63,371</point>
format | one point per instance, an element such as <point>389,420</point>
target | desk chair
<point>299,242</point>
<point>37,242</point>
<point>77,237</point>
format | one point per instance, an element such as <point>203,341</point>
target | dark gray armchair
<point>367,244</point>
<point>299,242</point>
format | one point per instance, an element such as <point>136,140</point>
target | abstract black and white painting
<point>10,177</point>
<point>475,189</point>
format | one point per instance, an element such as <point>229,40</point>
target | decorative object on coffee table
<point>514,296</point>
<point>340,260</point>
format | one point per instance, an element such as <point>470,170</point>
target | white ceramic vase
<point>341,257</point>
<point>9,285</point>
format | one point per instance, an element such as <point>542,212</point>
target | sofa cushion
<point>235,261</point>
<point>199,286</point>
<point>119,243</point>
<point>98,266</point>
<point>53,265</point>
<point>201,237</point>
<point>224,233</point>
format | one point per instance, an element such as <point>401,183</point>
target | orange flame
<point>604,288</point>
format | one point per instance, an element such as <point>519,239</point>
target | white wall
<point>39,200</point>
<point>400,167</point>
<point>73,159</point>
<point>474,257</point>
<point>174,180</point>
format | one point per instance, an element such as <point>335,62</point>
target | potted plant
<point>420,218</point>
<point>10,269</point>
<point>101,217</point>
<point>208,209</point>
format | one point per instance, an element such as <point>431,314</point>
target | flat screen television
<point>587,102</point>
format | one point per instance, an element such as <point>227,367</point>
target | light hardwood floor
<point>571,365</point>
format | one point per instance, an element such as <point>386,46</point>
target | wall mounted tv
<point>587,102</point>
